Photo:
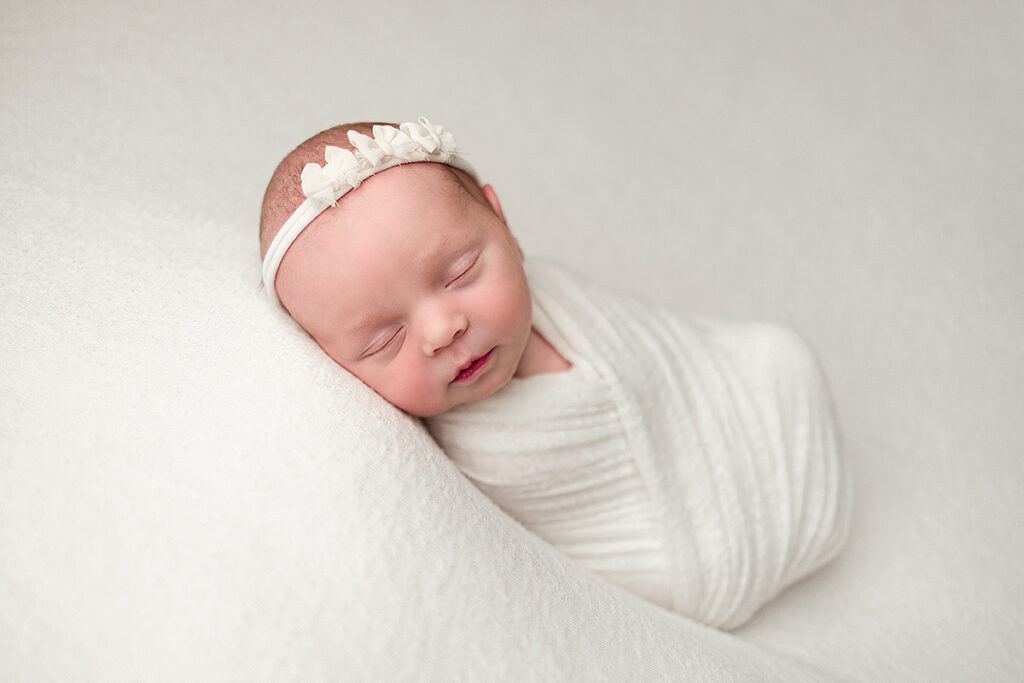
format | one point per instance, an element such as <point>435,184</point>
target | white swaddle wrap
<point>692,462</point>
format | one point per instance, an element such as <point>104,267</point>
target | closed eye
<point>384,344</point>
<point>464,275</point>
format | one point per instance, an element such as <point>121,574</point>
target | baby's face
<point>415,287</point>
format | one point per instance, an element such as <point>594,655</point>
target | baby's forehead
<point>429,177</point>
<point>406,217</point>
<point>407,191</point>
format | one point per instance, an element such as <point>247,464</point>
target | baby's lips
<point>462,368</point>
<point>470,363</point>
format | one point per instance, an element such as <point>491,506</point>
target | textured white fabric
<point>715,441</point>
<point>551,452</point>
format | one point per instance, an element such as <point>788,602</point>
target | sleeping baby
<point>691,462</point>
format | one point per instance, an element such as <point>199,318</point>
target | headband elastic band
<point>345,170</point>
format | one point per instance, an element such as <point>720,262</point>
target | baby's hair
<point>284,191</point>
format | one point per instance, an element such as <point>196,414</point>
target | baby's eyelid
<point>376,348</point>
<point>464,271</point>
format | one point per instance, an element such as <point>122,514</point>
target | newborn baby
<point>691,462</point>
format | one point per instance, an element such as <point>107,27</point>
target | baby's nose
<point>445,331</point>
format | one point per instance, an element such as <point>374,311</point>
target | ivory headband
<point>345,170</point>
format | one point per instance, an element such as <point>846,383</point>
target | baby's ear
<point>492,199</point>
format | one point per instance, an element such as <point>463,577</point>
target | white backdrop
<point>853,169</point>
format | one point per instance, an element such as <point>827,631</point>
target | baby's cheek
<point>513,306</point>
<point>410,391</point>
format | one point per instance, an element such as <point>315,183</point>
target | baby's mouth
<point>472,368</point>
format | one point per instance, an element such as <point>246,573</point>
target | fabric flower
<point>369,148</point>
<point>325,184</point>
<point>420,141</point>
<point>398,144</point>
<point>445,142</point>
<point>316,184</point>
<point>424,136</point>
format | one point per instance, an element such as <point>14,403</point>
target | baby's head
<point>412,281</point>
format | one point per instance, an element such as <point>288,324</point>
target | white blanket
<point>702,448</point>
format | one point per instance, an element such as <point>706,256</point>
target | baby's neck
<point>540,357</point>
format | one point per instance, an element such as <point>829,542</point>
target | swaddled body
<point>694,463</point>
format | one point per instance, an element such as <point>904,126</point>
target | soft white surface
<point>165,512</point>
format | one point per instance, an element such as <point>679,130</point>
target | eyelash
<point>386,344</point>
<point>464,272</point>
